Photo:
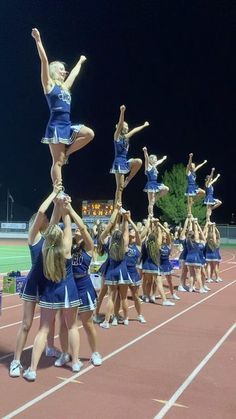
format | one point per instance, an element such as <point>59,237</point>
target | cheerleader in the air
<point>154,189</point>
<point>121,165</point>
<point>211,202</point>
<point>193,190</point>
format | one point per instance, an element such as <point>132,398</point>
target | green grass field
<point>14,258</point>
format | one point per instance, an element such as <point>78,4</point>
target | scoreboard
<point>92,210</point>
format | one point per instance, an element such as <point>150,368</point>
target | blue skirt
<point>60,130</point>
<point>117,273</point>
<point>134,275</point>
<point>148,266</point>
<point>58,295</point>
<point>153,186</point>
<point>86,293</point>
<point>120,165</point>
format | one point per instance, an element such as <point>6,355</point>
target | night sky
<point>171,63</point>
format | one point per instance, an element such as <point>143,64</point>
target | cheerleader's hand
<point>146,124</point>
<point>57,186</point>
<point>218,175</point>
<point>164,157</point>
<point>145,149</point>
<point>190,154</point>
<point>118,205</point>
<point>122,108</point>
<point>205,161</point>
<point>35,34</point>
<point>213,169</point>
<point>82,59</point>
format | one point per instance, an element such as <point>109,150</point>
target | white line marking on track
<point>7,308</point>
<point>166,401</point>
<point>195,372</point>
<point>14,324</point>
<point>117,351</point>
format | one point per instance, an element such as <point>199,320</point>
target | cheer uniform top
<point>80,266</point>
<point>132,257</point>
<point>35,279</point>
<point>152,185</point>
<point>120,163</point>
<point>193,254</point>
<point>192,188</point>
<point>165,264</point>
<point>59,128</point>
<point>148,265</point>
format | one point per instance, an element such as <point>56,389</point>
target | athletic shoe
<point>62,360</point>
<point>104,325</point>
<point>77,366</point>
<point>168,303</point>
<point>152,299</point>
<point>126,322</point>
<point>120,319</point>
<point>114,321</point>
<point>206,288</point>
<point>29,375</point>
<point>209,280</point>
<point>96,359</point>
<point>175,297</point>
<point>181,288</point>
<point>203,291</point>
<point>15,368</point>
<point>219,279</point>
<point>141,319</point>
<point>96,318</point>
<point>52,352</point>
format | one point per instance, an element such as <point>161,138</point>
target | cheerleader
<point>62,137</point>
<point>193,260</point>
<point>151,263</point>
<point>82,251</point>
<point>117,276</point>
<point>154,189</point>
<point>183,254</point>
<point>132,258</point>
<point>211,202</point>
<point>213,256</point>
<point>33,283</point>
<point>121,166</point>
<point>166,268</point>
<point>60,293</point>
<point>192,189</point>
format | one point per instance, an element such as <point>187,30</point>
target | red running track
<point>180,364</point>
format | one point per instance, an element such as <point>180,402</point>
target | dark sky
<point>170,62</point>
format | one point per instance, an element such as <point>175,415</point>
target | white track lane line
<point>8,308</point>
<point>193,374</point>
<point>117,351</point>
<point>14,324</point>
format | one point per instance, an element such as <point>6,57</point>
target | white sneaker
<point>168,303</point>
<point>181,288</point>
<point>29,375</point>
<point>126,322</point>
<point>141,319</point>
<point>96,359</point>
<point>203,291</point>
<point>175,297</point>
<point>114,322</point>
<point>62,360</point>
<point>209,280</point>
<point>15,368</point>
<point>104,325</point>
<point>206,288</point>
<point>52,352</point>
<point>77,366</point>
<point>219,279</point>
<point>152,299</point>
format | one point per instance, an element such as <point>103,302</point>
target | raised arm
<point>120,123</point>
<point>111,223</point>
<point>74,73</point>
<point>125,229</point>
<point>185,227</point>
<point>67,232</point>
<point>201,233</point>
<point>200,165</point>
<point>82,228</point>
<point>45,77</point>
<point>146,158</point>
<point>190,160</point>
<point>168,235</point>
<point>195,229</point>
<point>215,179</point>
<point>161,160</point>
<point>137,129</point>
<point>40,217</point>
<point>133,225</point>
<point>145,230</point>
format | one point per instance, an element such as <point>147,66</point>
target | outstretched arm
<point>74,73</point>
<point>145,157</point>
<point>215,179</point>
<point>120,122</point>
<point>137,129</point>
<point>200,165</point>
<point>45,77</point>
<point>40,217</point>
<point>161,160</point>
<point>111,223</point>
<point>82,228</point>
<point>190,160</point>
<point>133,225</point>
